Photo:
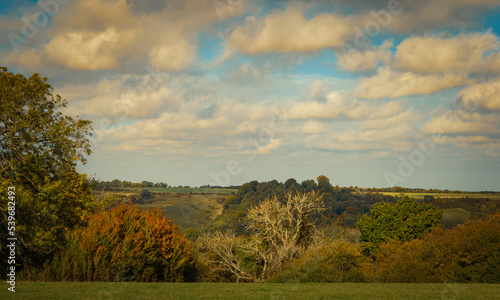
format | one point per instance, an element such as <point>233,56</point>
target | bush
<point>145,194</point>
<point>125,244</point>
<point>466,253</point>
<point>336,262</point>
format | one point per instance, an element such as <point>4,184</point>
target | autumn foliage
<point>466,253</point>
<point>125,244</point>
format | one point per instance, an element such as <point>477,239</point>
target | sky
<point>222,92</point>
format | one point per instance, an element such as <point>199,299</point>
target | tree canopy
<point>405,220</point>
<point>40,148</point>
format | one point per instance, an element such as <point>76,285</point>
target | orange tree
<point>466,253</point>
<point>39,150</point>
<point>125,244</point>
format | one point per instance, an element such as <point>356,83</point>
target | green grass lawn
<point>131,290</point>
<point>185,190</point>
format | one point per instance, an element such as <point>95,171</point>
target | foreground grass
<point>132,290</point>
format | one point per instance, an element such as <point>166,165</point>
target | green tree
<point>39,150</point>
<point>145,194</point>
<point>405,220</point>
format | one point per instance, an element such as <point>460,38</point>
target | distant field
<point>454,216</point>
<point>186,210</point>
<point>253,291</point>
<point>446,195</point>
<point>185,190</point>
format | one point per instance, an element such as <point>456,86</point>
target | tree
<point>405,220</point>
<point>145,194</point>
<point>290,183</point>
<point>280,231</point>
<point>125,244</point>
<point>468,253</point>
<point>39,150</point>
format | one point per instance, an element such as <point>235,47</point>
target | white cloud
<point>290,31</point>
<point>113,98</point>
<point>483,94</point>
<point>88,50</point>
<point>466,53</point>
<point>393,84</point>
<point>395,120</point>
<point>265,149</point>
<point>174,56</point>
<point>317,110</point>
<point>27,58</point>
<point>113,35</point>
<point>462,122</point>
<point>313,127</point>
<point>365,60</point>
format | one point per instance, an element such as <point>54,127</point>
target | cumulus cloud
<point>357,139</point>
<point>365,60</point>
<point>338,105</point>
<point>466,53</point>
<point>123,34</point>
<point>290,31</point>
<point>392,121</point>
<point>483,94</point>
<point>114,98</point>
<point>172,57</point>
<point>26,58</point>
<point>330,109</point>
<point>265,149</point>
<point>313,127</point>
<point>463,123</point>
<point>393,84</point>
<point>88,50</point>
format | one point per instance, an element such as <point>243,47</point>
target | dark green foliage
<point>39,150</point>
<point>336,201</point>
<point>145,194</point>
<point>405,220</point>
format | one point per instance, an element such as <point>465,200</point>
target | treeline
<point>400,189</point>
<point>114,184</point>
<point>343,205</point>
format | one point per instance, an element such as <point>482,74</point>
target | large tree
<point>405,220</point>
<point>40,148</point>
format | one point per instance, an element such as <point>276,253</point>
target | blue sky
<point>368,93</point>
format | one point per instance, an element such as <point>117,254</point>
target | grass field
<point>185,190</point>
<point>186,210</point>
<point>446,195</point>
<point>187,207</point>
<point>454,216</point>
<point>132,290</point>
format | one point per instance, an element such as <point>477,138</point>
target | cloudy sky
<point>368,93</point>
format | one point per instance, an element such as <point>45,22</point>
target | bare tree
<point>281,231</point>
<point>229,250</point>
